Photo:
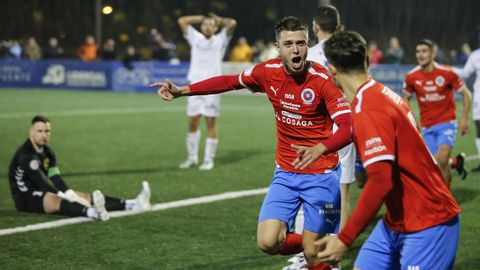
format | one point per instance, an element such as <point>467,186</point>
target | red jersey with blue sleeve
<point>385,130</point>
<point>434,92</point>
<point>304,107</point>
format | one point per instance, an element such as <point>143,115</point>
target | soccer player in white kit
<point>326,22</point>
<point>206,55</point>
<point>473,66</point>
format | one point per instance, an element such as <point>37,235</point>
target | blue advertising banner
<point>134,77</point>
<point>142,74</point>
<point>391,76</point>
<point>71,74</point>
<point>17,73</point>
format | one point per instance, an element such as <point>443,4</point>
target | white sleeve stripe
<point>240,80</point>
<point>340,113</point>
<point>378,158</point>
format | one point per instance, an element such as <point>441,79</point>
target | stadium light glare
<point>107,10</point>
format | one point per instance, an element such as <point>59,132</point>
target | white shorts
<point>347,161</point>
<point>476,106</point>
<point>208,105</point>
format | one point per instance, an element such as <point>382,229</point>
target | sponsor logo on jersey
<point>289,120</point>
<point>413,267</point>
<point>392,95</point>
<point>19,179</point>
<point>34,164</point>
<point>308,96</point>
<point>289,96</point>
<point>430,88</point>
<point>374,145</point>
<point>291,115</point>
<point>440,81</point>
<point>289,105</point>
<point>432,97</point>
<point>418,82</point>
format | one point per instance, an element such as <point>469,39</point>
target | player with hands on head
<point>207,49</point>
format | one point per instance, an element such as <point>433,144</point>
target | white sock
<point>130,204</point>
<point>477,142</point>
<point>193,140</point>
<point>210,149</point>
<point>299,220</point>
<point>92,213</point>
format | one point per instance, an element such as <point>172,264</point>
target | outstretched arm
<point>216,85</point>
<point>185,21</point>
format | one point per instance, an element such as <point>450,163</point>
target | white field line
<point>156,207</point>
<point>472,157</point>
<point>101,111</point>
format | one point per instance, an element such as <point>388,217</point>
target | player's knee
<point>51,203</point>
<point>269,244</point>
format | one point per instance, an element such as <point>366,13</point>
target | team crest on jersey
<point>248,72</point>
<point>34,164</point>
<point>46,163</point>
<point>439,80</point>
<point>308,96</point>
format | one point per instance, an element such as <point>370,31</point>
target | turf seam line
<point>155,208</point>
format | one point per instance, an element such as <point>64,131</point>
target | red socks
<point>320,266</point>
<point>291,245</point>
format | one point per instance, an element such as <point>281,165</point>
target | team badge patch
<point>308,96</point>
<point>439,80</point>
<point>34,164</point>
<point>248,72</point>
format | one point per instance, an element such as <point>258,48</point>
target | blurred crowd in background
<point>157,48</point>
<point>149,31</point>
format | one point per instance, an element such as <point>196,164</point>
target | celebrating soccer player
<point>433,85</point>
<point>421,226</point>
<point>306,104</point>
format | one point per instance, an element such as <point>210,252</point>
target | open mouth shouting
<point>297,62</point>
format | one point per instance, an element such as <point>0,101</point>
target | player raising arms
<point>207,49</point>
<point>433,85</point>
<point>306,103</point>
<point>421,226</point>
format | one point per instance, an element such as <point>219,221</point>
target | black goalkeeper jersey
<point>29,170</point>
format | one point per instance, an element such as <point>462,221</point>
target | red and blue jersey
<point>304,108</point>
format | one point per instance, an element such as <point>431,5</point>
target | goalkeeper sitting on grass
<point>34,163</point>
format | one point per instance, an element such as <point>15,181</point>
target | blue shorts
<point>432,248</point>
<point>443,133</point>
<point>319,194</point>
<point>359,165</point>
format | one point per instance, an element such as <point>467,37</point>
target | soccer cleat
<point>142,202</point>
<point>298,262</point>
<point>99,205</point>
<point>206,165</point>
<point>460,166</point>
<point>476,169</point>
<point>187,164</point>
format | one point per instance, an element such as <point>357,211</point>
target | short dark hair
<point>328,18</point>
<point>427,42</point>
<point>347,51</point>
<point>290,23</point>
<point>40,118</point>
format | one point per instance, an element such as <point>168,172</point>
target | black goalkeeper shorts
<point>30,201</point>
